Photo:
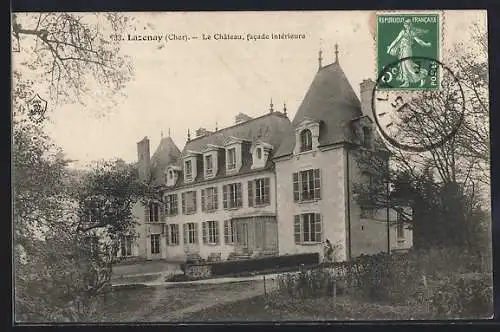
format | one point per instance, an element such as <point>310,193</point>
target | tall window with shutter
<point>190,233</point>
<point>154,212</point>
<point>173,234</point>
<point>259,192</point>
<point>209,199</point>
<point>229,232</point>
<point>211,232</point>
<point>189,202</point>
<point>308,228</point>
<point>306,185</point>
<point>232,196</point>
<point>155,243</point>
<point>171,205</point>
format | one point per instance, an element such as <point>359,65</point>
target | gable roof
<point>330,100</point>
<point>167,153</point>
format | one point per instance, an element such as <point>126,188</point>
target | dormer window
<point>188,169</point>
<point>231,158</point>
<point>305,140</point>
<point>306,136</point>
<point>209,165</point>
<point>259,153</point>
<point>171,175</point>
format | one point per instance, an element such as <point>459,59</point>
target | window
<point>154,212</point>
<point>367,137</point>
<point>208,165</point>
<point>209,199</point>
<point>190,233</point>
<point>308,228</point>
<point>173,234</point>
<point>232,197</point>
<point>229,233</point>
<point>171,205</point>
<point>155,243</point>
<point>259,153</point>
<point>171,174</point>
<point>258,192</point>
<point>305,140</point>
<point>307,185</point>
<point>189,202</point>
<point>231,158</point>
<point>188,169</point>
<point>400,227</point>
<point>126,245</point>
<point>211,232</point>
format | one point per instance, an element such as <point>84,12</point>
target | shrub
<point>467,296</point>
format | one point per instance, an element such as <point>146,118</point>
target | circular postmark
<point>417,104</point>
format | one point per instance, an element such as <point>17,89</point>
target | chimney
<point>366,91</point>
<point>144,159</point>
<point>202,132</point>
<point>241,117</point>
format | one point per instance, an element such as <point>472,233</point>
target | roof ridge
<point>280,114</point>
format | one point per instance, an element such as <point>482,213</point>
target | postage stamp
<point>400,38</point>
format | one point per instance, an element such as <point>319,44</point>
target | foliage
<point>469,296</point>
<point>72,53</point>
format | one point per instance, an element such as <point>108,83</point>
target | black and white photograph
<point>199,167</point>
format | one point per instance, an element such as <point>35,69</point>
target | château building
<point>267,185</point>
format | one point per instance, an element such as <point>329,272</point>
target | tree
<point>71,54</point>
<point>445,184</point>
<point>59,274</point>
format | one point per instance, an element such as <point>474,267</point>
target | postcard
<point>251,166</point>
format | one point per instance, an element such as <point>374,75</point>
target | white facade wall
<point>331,206</point>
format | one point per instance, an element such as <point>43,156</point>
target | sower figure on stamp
<point>328,251</point>
<point>401,47</point>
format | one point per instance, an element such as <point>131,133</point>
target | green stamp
<point>404,43</point>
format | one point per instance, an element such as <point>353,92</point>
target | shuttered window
<point>155,243</point>
<point>209,199</point>
<point>232,196</point>
<point>154,212</point>
<point>211,232</point>
<point>173,234</point>
<point>259,192</point>
<point>190,233</point>
<point>307,185</point>
<point>171,205</point>
<point>308,228</point>
<point>189,202</point>
<point>229,233</point>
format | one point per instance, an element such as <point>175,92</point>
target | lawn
<point>167,304</point>
<point>284,308</point>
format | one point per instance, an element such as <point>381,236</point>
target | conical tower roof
<point>166,154</point>
<point>331,101</point>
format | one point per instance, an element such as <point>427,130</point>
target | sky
<point>181,85</point>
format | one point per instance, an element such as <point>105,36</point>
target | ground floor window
<point>190,233</point>
<point>173,234</point>
<point>308,228</point>
<point>211,232</point>
<point>126,245</point>
<point>229,232</point>
<point>155,243</point>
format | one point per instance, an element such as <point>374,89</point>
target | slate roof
<point>167,153</point>
<point>331,101</point>
<point>269,128</point>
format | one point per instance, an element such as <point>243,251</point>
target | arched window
<point>305,140</point>
<point>259,153</point>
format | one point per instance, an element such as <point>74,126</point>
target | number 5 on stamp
<point>403,40</point>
